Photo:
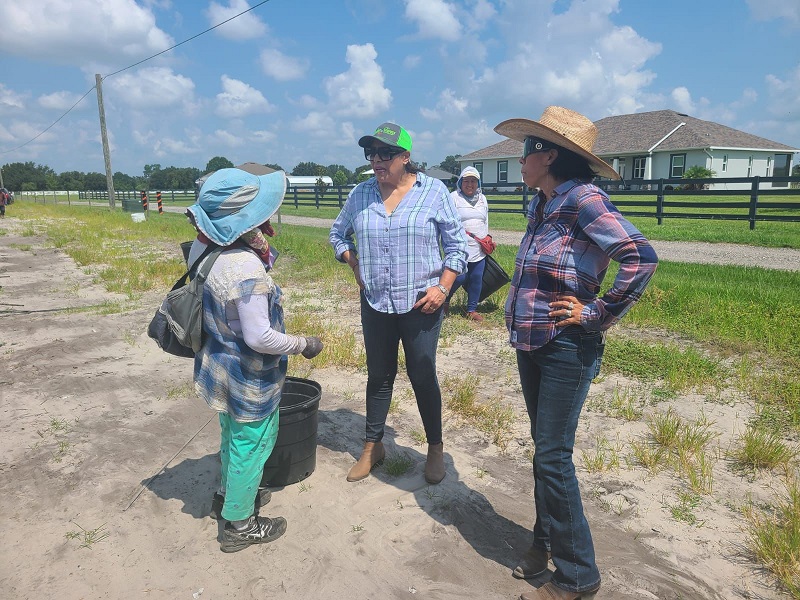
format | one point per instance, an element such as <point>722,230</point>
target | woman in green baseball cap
<point>390,232</point>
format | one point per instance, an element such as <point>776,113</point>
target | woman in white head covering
<point>241,367</point>
<point>474,212</point>
<point>556,321</point>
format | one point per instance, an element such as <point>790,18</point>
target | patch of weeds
<point>683,511</point>
<point>28,231</point>
<point>185,390</point>
<point>493,417</point>
<point>88,537</point>
<point>652,457</point>
<point>61,450</point>
<point>397,465</point>
<point>22,247</point>
<point>678,369</point>
<point>603,458</point>
<point>303,487</point>
<point>660,394</point>
<point>418,436</point>
<point>773,536</point>
<point>356,528</point>
<point>624,404</point>
<point>700,474</point>
<point>480,472</point>
<point>760,448</point>
<point>432,494</point>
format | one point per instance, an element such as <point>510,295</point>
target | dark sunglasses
<point>533,145</point>
<point>383,153</point>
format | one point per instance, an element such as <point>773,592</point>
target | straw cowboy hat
<point>233,201</point>
<point>562,127</point>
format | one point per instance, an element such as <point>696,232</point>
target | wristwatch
<point>442,289</point>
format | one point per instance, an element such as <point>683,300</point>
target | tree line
<point>29,176</point>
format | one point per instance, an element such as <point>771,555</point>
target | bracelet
<point>442,289</point>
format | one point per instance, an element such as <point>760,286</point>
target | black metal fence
<point>657,198</point>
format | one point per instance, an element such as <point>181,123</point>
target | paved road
<point>786,259</point>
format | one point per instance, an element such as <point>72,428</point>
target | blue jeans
<point>555,381</point>
<point>419,333</point>
<point>472,280</point>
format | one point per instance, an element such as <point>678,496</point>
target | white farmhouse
<point>661,144</point>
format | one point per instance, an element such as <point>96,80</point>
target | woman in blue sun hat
<point>241,368</point>
<point>401,234</point>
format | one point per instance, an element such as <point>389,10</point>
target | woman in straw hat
<point>390,232</point>
<point>241,367</point>
<point>557,321</point>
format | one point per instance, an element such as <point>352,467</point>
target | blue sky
<point>294,81</point>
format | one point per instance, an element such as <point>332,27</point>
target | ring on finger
<point>571,305</point>
<point>569,313</point>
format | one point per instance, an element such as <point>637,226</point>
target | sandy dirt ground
<point>93,413</point>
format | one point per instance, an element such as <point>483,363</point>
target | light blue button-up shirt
<point>404,253</point>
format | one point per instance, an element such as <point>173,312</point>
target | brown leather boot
<point>434,466</point>
<point>550,591</point>
<point>532,564</point>
<point>372,455</point>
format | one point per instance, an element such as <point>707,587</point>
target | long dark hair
<point>412,167</point>
<point>569,165</point>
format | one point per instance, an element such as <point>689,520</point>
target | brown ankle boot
<point>372,455</point>
<point>434,466</point>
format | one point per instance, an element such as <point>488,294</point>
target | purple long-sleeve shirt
<point>570,241</point>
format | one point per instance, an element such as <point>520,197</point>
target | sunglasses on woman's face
<point>533,145</point>
<point>383,153</point>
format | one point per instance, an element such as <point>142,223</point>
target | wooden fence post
<point>754,201</point>
<point>660,202</point>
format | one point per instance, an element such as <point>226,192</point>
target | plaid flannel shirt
<point>570,240</point>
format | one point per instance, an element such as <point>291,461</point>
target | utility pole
<point>106,152</point>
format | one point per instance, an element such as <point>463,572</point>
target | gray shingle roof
<point>505,149</point>
<point>637,133</point>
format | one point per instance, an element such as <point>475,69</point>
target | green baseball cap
<point>388,133</point>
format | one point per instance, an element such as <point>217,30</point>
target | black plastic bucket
<point>295,454</point>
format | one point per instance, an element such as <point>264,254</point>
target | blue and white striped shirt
<point>403,253</point>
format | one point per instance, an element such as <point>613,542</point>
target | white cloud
<point>359,91</point>
<point>247,26</point>
<point>79,31</point>
<point>10,101</point>
<point>412,61</point>
<point>316,123</point>
<point>227,138</point>
<point>480,15</point>
<point>767,10</point>
<point>263,136</point>
<point>60,101</point>
<point>600,66</point>
<point>279,66</point>
<point>153,87</point>
<point>449,105</point>
<point>434,19</point>
<point>238,100</point>
<point>169,147</point>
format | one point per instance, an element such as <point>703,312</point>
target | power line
<point>130,67</point>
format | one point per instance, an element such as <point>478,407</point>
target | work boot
<point>532,564</point>
<point>263,497</point>
<point>372,455</point>
<point>434,466</point>
<point>259,530</point>
<point>550,591</point>
<point>475,316</point>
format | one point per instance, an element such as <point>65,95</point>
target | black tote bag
<point>494,278</point>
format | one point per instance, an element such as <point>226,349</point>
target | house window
<point>724,162</point>
<point>781,169</point>
<point>621,167</point>
<point>479,167</point>
<point>677,165</point>
<point>502,171</point>
<point>638,167</point>
<point>750,167</point>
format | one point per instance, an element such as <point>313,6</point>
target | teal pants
<point>244,449</point>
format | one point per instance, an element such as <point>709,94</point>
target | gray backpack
<point>177,326</point>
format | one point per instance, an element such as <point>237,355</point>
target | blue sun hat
<point>233,202</point>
